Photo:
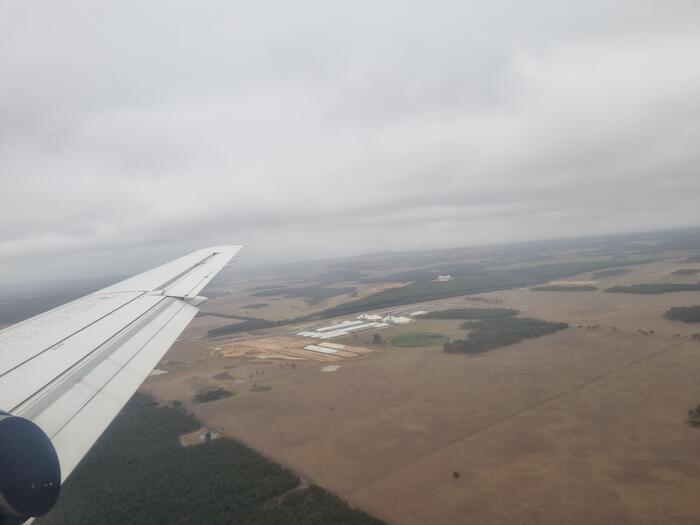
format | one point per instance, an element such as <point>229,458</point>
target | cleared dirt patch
<point>199,436</point>
<point>294,348</point>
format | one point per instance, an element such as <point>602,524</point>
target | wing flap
<point>50,364</point>
<point>75,437</point>
<point>22,342</point>
<point>195,280</point>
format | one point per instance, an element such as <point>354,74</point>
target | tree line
<point>564,288</point>
<point>470,313</point>
<point>494,333</point>
<point>655,288</point>
<point>686,314</point>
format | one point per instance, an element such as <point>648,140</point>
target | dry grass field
<point>579,427</point>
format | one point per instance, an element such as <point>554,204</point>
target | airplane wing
<point>66,373</point>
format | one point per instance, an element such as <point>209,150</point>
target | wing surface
<point>71,370</point>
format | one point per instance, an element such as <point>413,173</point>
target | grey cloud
<point>130,131</point>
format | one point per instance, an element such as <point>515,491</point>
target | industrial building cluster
<point>367,321</point>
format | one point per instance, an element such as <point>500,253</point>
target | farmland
<point>565,416</point>
<point>591,423</point>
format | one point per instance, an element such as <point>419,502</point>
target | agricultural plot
<point>291,348</point>
<point>583,425</point>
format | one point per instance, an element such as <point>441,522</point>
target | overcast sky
<point>131,131</point>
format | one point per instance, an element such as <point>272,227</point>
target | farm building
<point>393,319</point>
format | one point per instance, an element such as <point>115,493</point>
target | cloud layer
<point>131,131</point>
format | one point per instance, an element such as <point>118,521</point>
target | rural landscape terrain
<point>546,382</point>
<point>350,263</point>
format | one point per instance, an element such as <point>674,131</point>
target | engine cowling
<point>30,472</point>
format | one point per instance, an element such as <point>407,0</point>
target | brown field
<point>281,347</point>
<point>582,426</point>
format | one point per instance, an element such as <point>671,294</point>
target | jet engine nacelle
<point>30,473</point>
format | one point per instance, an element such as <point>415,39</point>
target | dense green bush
<point>305,292</point>
<point>417,340</point>
<point>612,272</point>
<point>470,313</point>
<point>564,288</point>
<point>655,288</point>
<point>494,333</point>
<point>245,326</point>
<point>212,394</point>
<point>687,314</point>
<point>694,417</point>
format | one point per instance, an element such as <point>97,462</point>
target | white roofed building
<point>393,319</point>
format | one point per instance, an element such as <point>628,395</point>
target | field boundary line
<point>518,412</point>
